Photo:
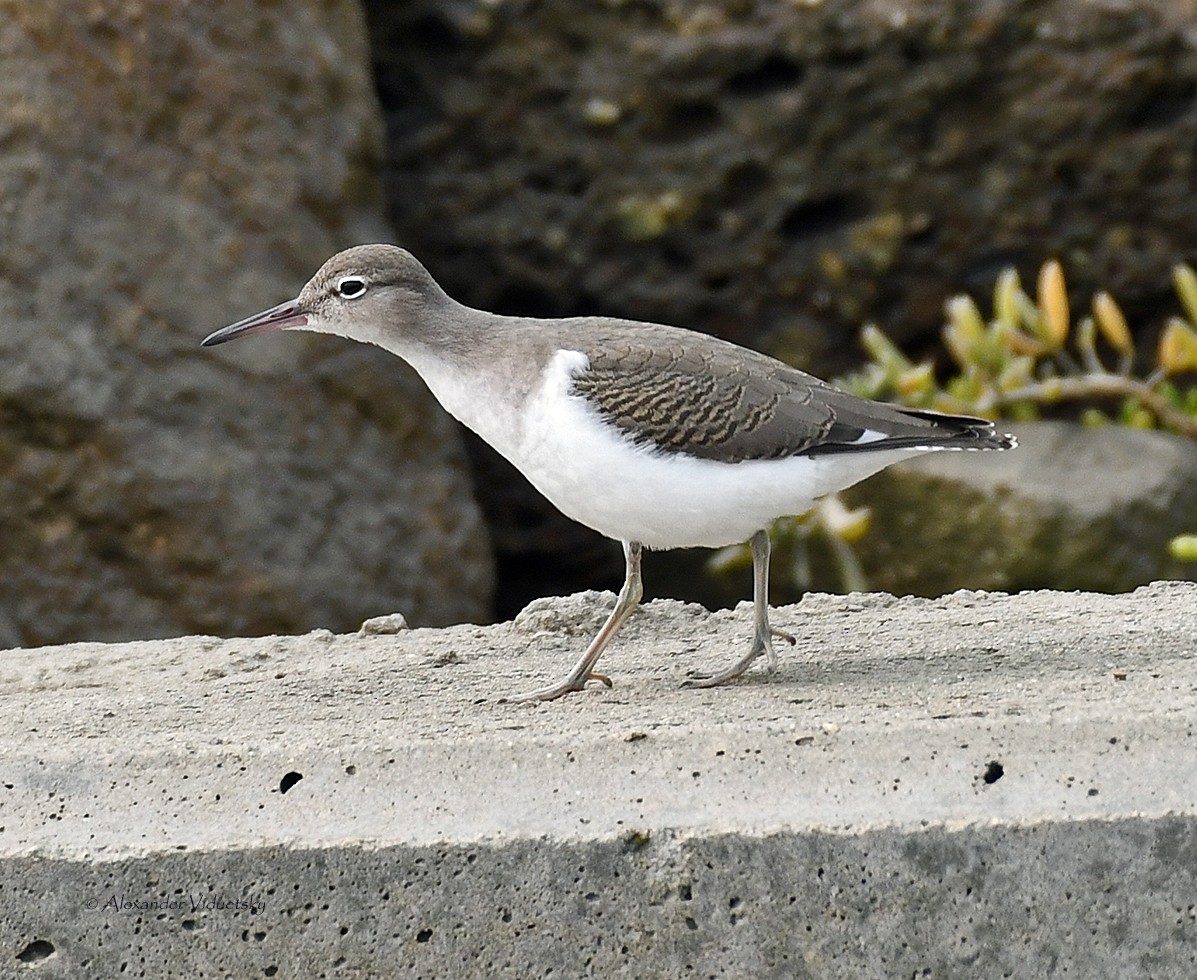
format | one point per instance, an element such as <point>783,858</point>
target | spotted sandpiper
<point>656,436</point>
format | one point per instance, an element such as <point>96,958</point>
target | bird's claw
<point>554,691</point>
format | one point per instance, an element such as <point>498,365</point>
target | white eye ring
<point>351,287</point>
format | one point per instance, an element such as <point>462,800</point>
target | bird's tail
<point>919,428</point>
<point>959,431</point>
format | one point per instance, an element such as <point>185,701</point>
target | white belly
<point>595,475</point>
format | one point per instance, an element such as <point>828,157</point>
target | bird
<point>657,436</point>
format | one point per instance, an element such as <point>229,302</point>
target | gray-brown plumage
<point>650,434</point>
<point>688,393</point>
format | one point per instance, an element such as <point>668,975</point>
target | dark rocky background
<point>778,173</point>
<point>773,172</point>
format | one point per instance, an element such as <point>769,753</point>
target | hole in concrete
<point>37,950</point>
<point>691,924</point>
<point>993,772</point>
<point>289,780</point>
<point>423,935</point>
<point>634,840</point>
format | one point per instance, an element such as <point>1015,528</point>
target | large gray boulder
<point>165,169</point>
<point>1072,509</point>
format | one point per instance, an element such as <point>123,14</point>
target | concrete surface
<point>975,786</point>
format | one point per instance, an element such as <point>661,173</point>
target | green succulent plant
<point>1030,358</point>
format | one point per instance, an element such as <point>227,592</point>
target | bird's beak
<point>279,317</point>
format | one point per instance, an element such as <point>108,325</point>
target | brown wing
<point>688,393</point>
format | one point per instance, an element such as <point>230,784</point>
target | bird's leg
<point>762,632</point>
<point>629,597</point>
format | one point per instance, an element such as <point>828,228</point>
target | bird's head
<point>365,293</point>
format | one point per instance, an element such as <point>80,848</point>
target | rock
<point>579,615</point>
<point>582,615</point>
<point>388,625</point>
<point>1071,509</point>
<point>785,171</point>
<point>165,171</point>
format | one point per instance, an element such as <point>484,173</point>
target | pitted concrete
<point>979,785</point>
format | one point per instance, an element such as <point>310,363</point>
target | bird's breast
<point>479,399</point>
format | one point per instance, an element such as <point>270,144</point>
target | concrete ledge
<point>979,785</point>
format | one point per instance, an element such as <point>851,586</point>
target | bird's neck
<point>448,336</point>
<point>479,375</point>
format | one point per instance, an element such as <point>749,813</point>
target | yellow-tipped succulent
<point>1031,354</point>
<point>1029,358</point>
<point>965,329</point>
<point>1007,305</point>
<point>1178,347</point>
<point>883,351</point>
<point>1184,279</point>
<point>846,524</point>
<point>1053,304</point>
<point>1112,323</point>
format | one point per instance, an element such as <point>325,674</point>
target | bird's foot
<point>736,669</point>
<point>723,677</point>
<point>761,643</point>
<point>560,689</point>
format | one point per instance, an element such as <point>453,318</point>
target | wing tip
<point>951,432</point>
<point>981,434</point>
<point>970,432</point>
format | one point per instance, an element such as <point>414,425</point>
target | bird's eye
<point>351,287</point>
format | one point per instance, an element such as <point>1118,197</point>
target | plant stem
<point>1102,385</point>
